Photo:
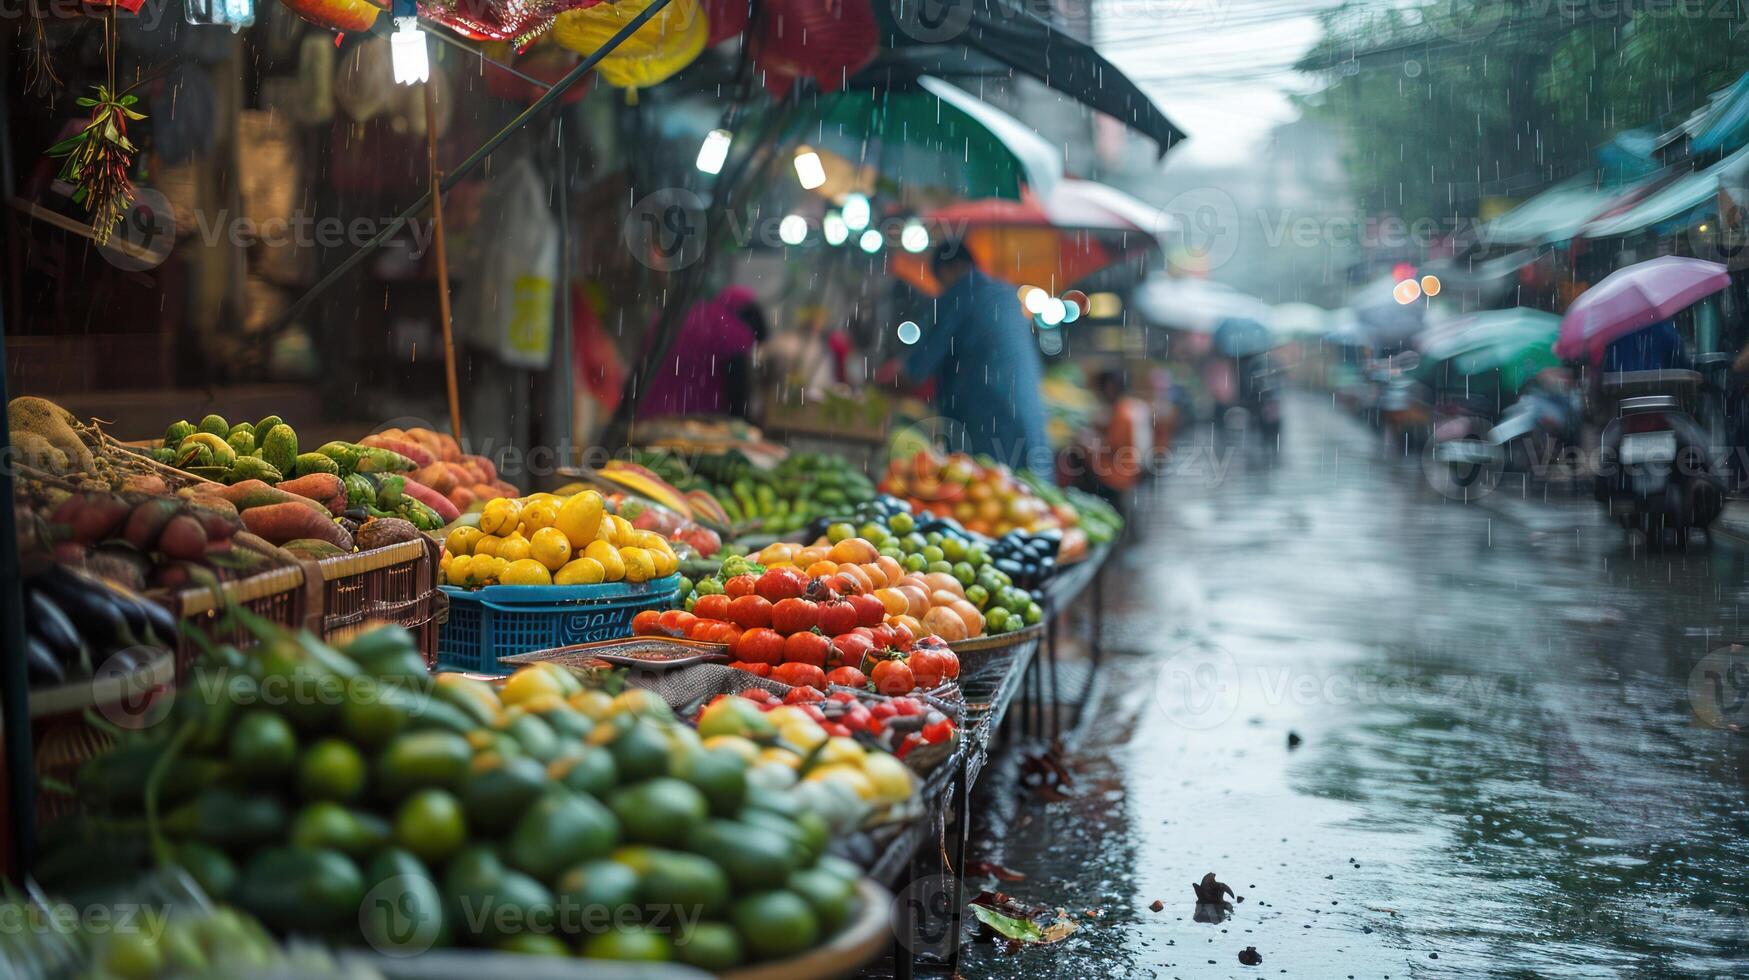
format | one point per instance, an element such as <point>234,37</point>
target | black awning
<point>935,37</point>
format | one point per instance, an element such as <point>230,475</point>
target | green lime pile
<point>346,794</point>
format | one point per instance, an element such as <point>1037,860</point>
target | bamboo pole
<point>455,404</point>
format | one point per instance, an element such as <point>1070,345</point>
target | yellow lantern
<point>665,44</point>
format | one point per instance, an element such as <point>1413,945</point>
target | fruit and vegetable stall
<point>366,704</point>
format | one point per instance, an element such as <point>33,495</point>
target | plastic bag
<point>508,305</point>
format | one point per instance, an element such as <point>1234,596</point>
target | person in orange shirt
<point>1125,440</point>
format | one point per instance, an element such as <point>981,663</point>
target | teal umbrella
<point>1517,342</point>
<point>932,133</point>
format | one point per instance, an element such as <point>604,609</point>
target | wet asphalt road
<point>1502,773</point>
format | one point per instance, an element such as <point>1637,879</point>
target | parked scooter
<point>1654,472</point>
<point>1461,445</point>
<point>1535,429</point>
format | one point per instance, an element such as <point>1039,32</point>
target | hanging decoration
<point>727,18</point>
<point>517,21</point>
<point>668,42</point>
<point>337,15</point>
<point>99,156</point>
<point>825,40</point>
<point>40,79</point>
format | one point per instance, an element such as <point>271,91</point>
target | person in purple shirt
<point>708,369</point>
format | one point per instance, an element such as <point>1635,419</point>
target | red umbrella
<point>1633,299</point>
<point>1051,243</point>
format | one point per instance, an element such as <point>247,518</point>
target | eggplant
<point>50,625</point>
<point>41,667</point>
<point>87,603</point>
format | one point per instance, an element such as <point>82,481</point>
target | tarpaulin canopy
<point>934,38</point>
<point>1555,215</point>
<point>1198,305</point>
<point>1724,123</point>
<point>1677,201</point>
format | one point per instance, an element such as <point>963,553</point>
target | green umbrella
<point>1517,342</point>
<point>933,134</point>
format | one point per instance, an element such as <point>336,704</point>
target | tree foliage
<point>1444,106</point>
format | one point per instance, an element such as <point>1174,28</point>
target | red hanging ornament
<point>726,17</point>
<point>826,40</point>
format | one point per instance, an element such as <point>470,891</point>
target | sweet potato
<point>485,491</point>
<point>290,521</point>
<point>405,447</point>
<point>432,499</point>
<point>437,476</point>
<point>380,532</point>
<point>488,470</point>
<point>462,498</point>
<point>250,494</point>
<point>324,488</point>
<point>217,516</point>
<point>93,517</point>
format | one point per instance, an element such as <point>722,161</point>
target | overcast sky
<point>1218,68</point>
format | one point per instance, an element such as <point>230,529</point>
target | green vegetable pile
<point>347,795</point>
<point>266,450</point>
<point>785,498</point>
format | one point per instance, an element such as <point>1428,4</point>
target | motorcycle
<point>1655,473</point>
<point>1535,429</point>
<point>1460,446</point>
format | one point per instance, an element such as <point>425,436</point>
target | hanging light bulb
<point>714,151</point>
<point>856,212</point>
<point>1053,313</point>
<point>833,226</point>
<point>914,238</point>
<point>870,241</point>
<point>909,332</point>
<point>810,172</point>
<point>407,45</point>
<point>792,229</point>
<point>1034,300</point>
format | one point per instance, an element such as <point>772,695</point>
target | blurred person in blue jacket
<point>981,354</point>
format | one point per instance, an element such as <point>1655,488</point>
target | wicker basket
<point>62,737</point>
<point>394,584</point>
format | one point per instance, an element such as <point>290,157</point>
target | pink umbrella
<point>1633,299</point>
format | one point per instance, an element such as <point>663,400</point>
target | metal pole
<point>14,680</point>
<point>468,166</point>
<point>455,401</point>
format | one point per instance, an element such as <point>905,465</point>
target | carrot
<point>290,521</point>
<point>324,488</point>
<point>432,499</point>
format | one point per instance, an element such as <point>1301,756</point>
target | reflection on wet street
<point>1500,772</point>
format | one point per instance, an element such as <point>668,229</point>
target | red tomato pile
<point>809,632</point>
<point>898,724</point>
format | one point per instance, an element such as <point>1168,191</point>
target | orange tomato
<point>970,615</point>
<point>853,551</point>
<point>917,600</point>
<point>943,582</point>
<point>911,623</point>
<point>855,572</point>
<point>822,569</point>
<point>877,576</point>
<point>891,568</point>
<point>894,600</point>
<point>809,555</point>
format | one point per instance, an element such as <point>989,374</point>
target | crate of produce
<point>504,620</point>
<point>277,595</point>
<point>394,584</point>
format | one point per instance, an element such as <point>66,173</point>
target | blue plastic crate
<point>504,620</point>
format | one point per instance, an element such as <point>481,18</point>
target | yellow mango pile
<point>544,539</point>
